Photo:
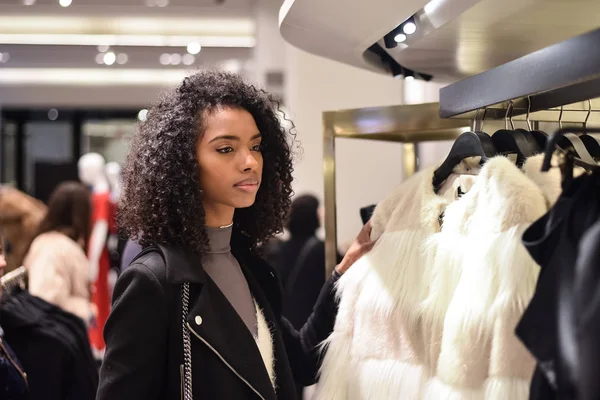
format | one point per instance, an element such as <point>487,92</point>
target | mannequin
<point>91,172</point>
<point>113,174</point>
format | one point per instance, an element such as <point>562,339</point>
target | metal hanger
<point>468,144</point>
<point>540,136</point>
<point>590,140</point>
<point>568,140</point>
<point>511,141</point>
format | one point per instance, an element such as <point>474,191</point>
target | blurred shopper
<point>13,381</point>
<point>20,218</point>
<point>300,260</point>
<point>57,266</point>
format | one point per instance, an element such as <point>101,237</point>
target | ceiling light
<point>4,57</point>
<point>65,3</point>
<point>103,48</point>
<point>122,58</point>
<point>72,39</point>
<point>194,48</point>
<point>28,2</point>
<point>162,3</point>
<point>100,58</point>
<point>399,38</point>
<point>432,6</point>
<point>109,58</point>
<point>92,76</point>
<point>409,78</point>
<point>142,114</point>
<point>175,59</point>
<point>165,59</point>
<point>151,3</point>
<point>409,28</point>
<point>188,59</point>
<point>53,114</point>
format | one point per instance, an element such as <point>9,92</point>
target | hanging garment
<point>430,312</point>
<point>553,241</point>
<point>100,289</point>
<point>52,346</point>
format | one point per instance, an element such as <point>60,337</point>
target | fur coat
<point>430,312</point>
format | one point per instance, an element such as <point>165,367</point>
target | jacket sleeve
<point>304,353</point>
<point>136,338</point>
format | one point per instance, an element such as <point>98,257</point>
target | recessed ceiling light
<point>103,48</point>
<point>100,58</point>
<point>194,48</point>
<point>28,2</point>
<point>399,38</point>
<point>122,58</point>
<point>162,3</point>
<point>4,57</point>
<point>53,114</point>
<point>409,78</point>
<point>65,3</point>
<point>109,58</point>
<point>142,114</point>
<point>409,28</point>
<point>175,59</point>
<point>165,59</point>
<point>188,59</point>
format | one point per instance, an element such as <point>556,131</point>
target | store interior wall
<point>366,170</point>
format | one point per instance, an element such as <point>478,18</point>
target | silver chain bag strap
<point>186,385</point>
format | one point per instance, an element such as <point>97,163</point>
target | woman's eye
<point>225,150</point>
<point>258,147</point>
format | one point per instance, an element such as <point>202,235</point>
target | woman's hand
<point>361,245</point>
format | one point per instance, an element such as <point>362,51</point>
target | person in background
<point>13,381</point>
<point>300,260</point>
<point>58,269</point>
<point>20,218</point>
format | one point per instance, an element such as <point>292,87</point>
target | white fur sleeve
<point>337,368</point>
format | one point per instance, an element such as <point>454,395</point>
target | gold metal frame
<point>408,124</point>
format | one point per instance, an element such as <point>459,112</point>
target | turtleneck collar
<point>219,239</point>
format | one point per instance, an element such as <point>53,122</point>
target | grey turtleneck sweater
<point>225,271</point>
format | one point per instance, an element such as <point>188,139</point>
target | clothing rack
<point>407,124</point>
<point>559,84</point>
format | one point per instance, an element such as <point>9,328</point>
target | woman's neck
<point>216,216</point>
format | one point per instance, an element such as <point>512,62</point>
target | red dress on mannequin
<point>100,291</point>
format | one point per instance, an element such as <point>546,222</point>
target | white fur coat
<point>430,312</point>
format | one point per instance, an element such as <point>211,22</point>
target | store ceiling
<point>40,37</point>
<point>454,38</point>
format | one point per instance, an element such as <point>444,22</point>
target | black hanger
<point>514,141</point>
<point>591,141</point>
<point>570,140</point>
<point>468,144</point>
<point>592,144</point>
<point>553,141</point>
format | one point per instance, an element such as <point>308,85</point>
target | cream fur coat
<point>430,312</point>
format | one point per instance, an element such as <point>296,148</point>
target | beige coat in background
<point>58,272</point>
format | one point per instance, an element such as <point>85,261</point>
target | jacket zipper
<point>13,362</point>
<point>224,361</point>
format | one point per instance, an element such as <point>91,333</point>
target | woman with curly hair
<point>197,315</point>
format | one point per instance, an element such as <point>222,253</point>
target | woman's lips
<point>248,187</point>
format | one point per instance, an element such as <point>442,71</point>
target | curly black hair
<point>161,201</point>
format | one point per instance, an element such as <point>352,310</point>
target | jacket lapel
<point>213,321</point>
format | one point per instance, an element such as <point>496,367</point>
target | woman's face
<point>229,159</point>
